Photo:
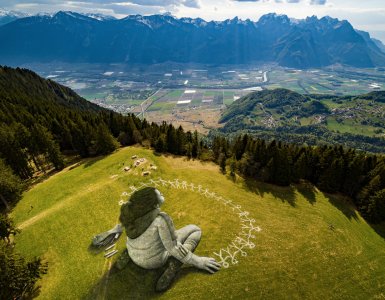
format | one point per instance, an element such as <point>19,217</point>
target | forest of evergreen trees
<point>42,121</point>
<point>332,169</point>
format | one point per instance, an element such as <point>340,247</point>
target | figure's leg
<point>189,236</point>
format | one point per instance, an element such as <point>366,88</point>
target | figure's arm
<point>184,255</point>
<point>172,246</point>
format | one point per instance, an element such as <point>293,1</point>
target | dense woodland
<point>332,169</point>
<point>42,121</point>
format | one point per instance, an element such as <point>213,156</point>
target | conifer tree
<point>105,142</point>
<point>222,162</point>
<point>376,207</point>
<point>18,277</point>
<point>10,186</point>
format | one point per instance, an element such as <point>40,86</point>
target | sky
<point>368,15</point>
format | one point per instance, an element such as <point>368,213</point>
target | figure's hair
<point>140,203</point>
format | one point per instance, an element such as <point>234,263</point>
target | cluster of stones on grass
<point>242,242</point>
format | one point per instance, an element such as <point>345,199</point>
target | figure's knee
<point>195,232</point>
<point>189,231</point>
<point>194,228</point>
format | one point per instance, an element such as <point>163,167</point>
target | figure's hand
<point>209,264</point>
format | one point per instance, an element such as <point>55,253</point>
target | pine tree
<point>195,145</point>
<point>105,142</point>
<point>232,167</point>
<point>11,186</point>
<point>222,162</point>
<point>171,139</point>
<point>7,228</point>
<point>18,277</point>
<point>160,144</point>
<point>376,208</point>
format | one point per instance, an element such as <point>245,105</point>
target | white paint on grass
<point>243,241</point>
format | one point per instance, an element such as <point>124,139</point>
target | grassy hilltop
<point>311,245</point>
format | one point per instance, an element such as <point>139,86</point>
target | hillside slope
<point>310,245</point>
<point>354,121</point>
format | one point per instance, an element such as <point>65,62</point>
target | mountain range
<point>7,16</point>
<point>74,37</point>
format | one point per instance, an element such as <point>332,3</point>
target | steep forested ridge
<point>41,119</point>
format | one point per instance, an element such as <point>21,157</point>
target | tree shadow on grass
<point>132,282</point>
<point>95,250</point>
<point>343,204</point>
<point>308,191</point>
<point>92,161</point>
<point>285,194</point>
<point>379,228</point>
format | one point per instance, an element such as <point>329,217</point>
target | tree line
<point>333,169</point>
<point>42,121</point>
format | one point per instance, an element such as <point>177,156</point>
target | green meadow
<point>311,245</point>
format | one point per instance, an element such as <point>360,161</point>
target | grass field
<point>349,126</point>
<point>297,254</point>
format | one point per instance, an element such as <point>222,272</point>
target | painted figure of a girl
<point>153,242</point>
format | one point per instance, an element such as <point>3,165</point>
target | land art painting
<point>200,149</point>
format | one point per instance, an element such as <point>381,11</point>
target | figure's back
<point>147,250</point>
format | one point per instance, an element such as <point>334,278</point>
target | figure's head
<point>140,203</point>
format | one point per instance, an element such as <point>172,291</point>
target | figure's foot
<point>168,276</point>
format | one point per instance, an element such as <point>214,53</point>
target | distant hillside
<point>355,121</point>
<point>73,37</point>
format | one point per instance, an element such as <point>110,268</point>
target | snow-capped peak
<point>100,17</point>
<point>12,13</point>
